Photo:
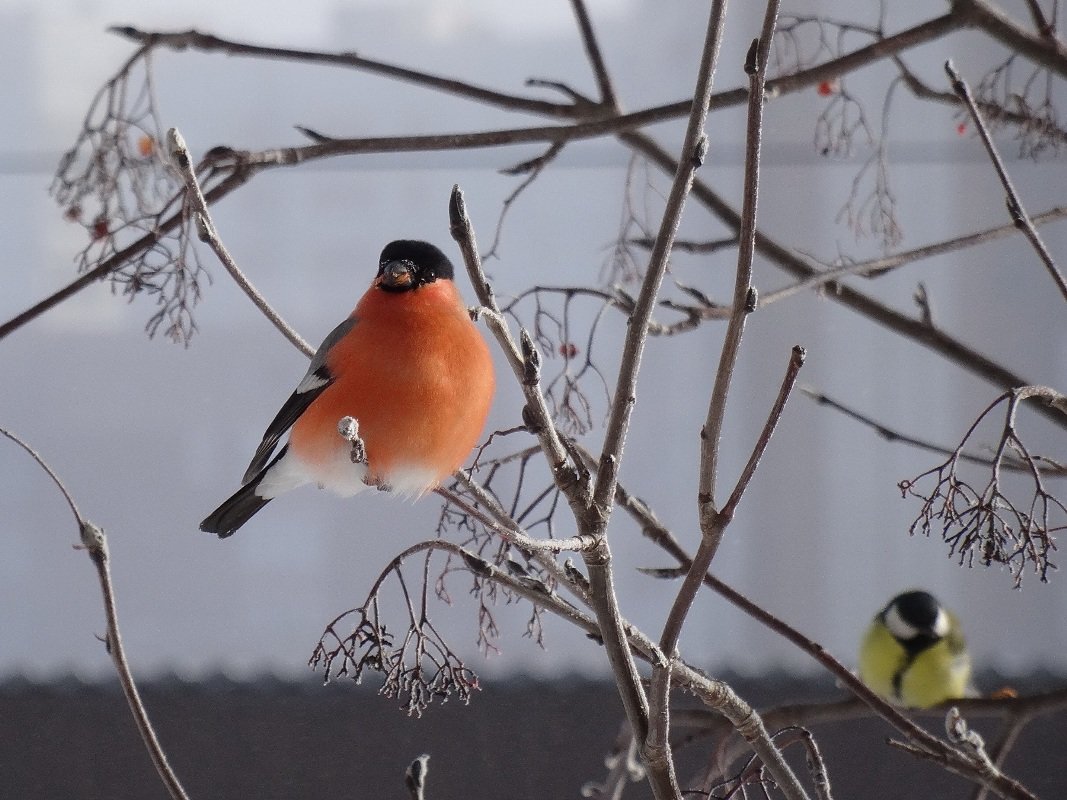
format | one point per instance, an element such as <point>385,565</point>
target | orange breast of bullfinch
<point>417,375</point>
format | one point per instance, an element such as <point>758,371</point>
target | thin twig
<point>525,360</point>
<point>1012,728</point>
<point>718,695</point>
<point>1044,49</point>
<point>704,311</point>
<point>985,523</point>
<point>949,757</point>
<point>694,149</point>
<point>533,168</point>
<point>207,43</point>
<point>908,327</point>
<point>695,724</point>
<point>744,302</point>
<point>596,58</point>
<point>885,264</point>
<point>995,111</point>
<point>242,171</point>
<point>694,574</point>
<point>513,533</point>
<point>205,228</point>
<point>1041,22</point>
<point>889,434</point>
<point>237,178</point>
<point>921,33</point>
<point>711,524</point>
<point>1014,202</point>
<point>94,542</point>
<point>655,748</point>
<point>796,361</point>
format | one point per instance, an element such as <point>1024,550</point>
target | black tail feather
<point>235,511</point>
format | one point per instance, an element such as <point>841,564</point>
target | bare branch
<point>1045,48</point>
<point>694,148</point>
<point>796,361</point>
<point>94,543</point>
<point>706,310</point>
<point>655,748</point>
<point>951,758</point>
<point>914,329</point>
<point>241,164</point>
<point>623,765</point>
<point>744,302</point>
<point>1035,131</point>
<point>513,534</point>
<point>698,724</point>
<point>82,522</point>
<point>415,777</point>
<point>1041,22</point>
<point>197,207</point>
<point>525,361</point>
<point>903,40</point>
<point>532,168</point>
<point>1008,461</point>
<point>1014,202</point>
<point>880,266</point>
<point>117,260</point>
<point>204,42</point>
<point>876,213</point>
<point>686,246</point>
<point>596,58</point>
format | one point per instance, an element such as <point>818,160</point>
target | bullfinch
<point>408,365</point>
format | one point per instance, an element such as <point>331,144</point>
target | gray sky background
<point>150,436</point>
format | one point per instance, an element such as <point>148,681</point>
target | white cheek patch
<point>898,626</point>
<point>941,624</point>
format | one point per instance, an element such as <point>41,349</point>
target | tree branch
<point>1008,462</point>
<point>596,58</point>
<point>197,206</point>
<point>1014,202</point>
<point>744,302</point>
<point>237,178</point>
<point>888,46</point>
<point>952,759</point>
<point>655,748</point>
<point>207,43</point>
<point>995,111</point>
<point>94,543</point>
<point>694,148</point>
<point>908,327</point>
<point>1044,49</point>
<point>525,361</point>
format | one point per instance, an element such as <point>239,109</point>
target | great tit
<point>913,653</point>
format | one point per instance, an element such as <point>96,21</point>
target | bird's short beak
<point>398,274</point>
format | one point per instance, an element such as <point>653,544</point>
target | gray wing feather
<point>316,379</point>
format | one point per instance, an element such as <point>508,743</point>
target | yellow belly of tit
<point>936,674</point>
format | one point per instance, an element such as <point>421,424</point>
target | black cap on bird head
<point>407,264</point>
<point>917,617</point>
